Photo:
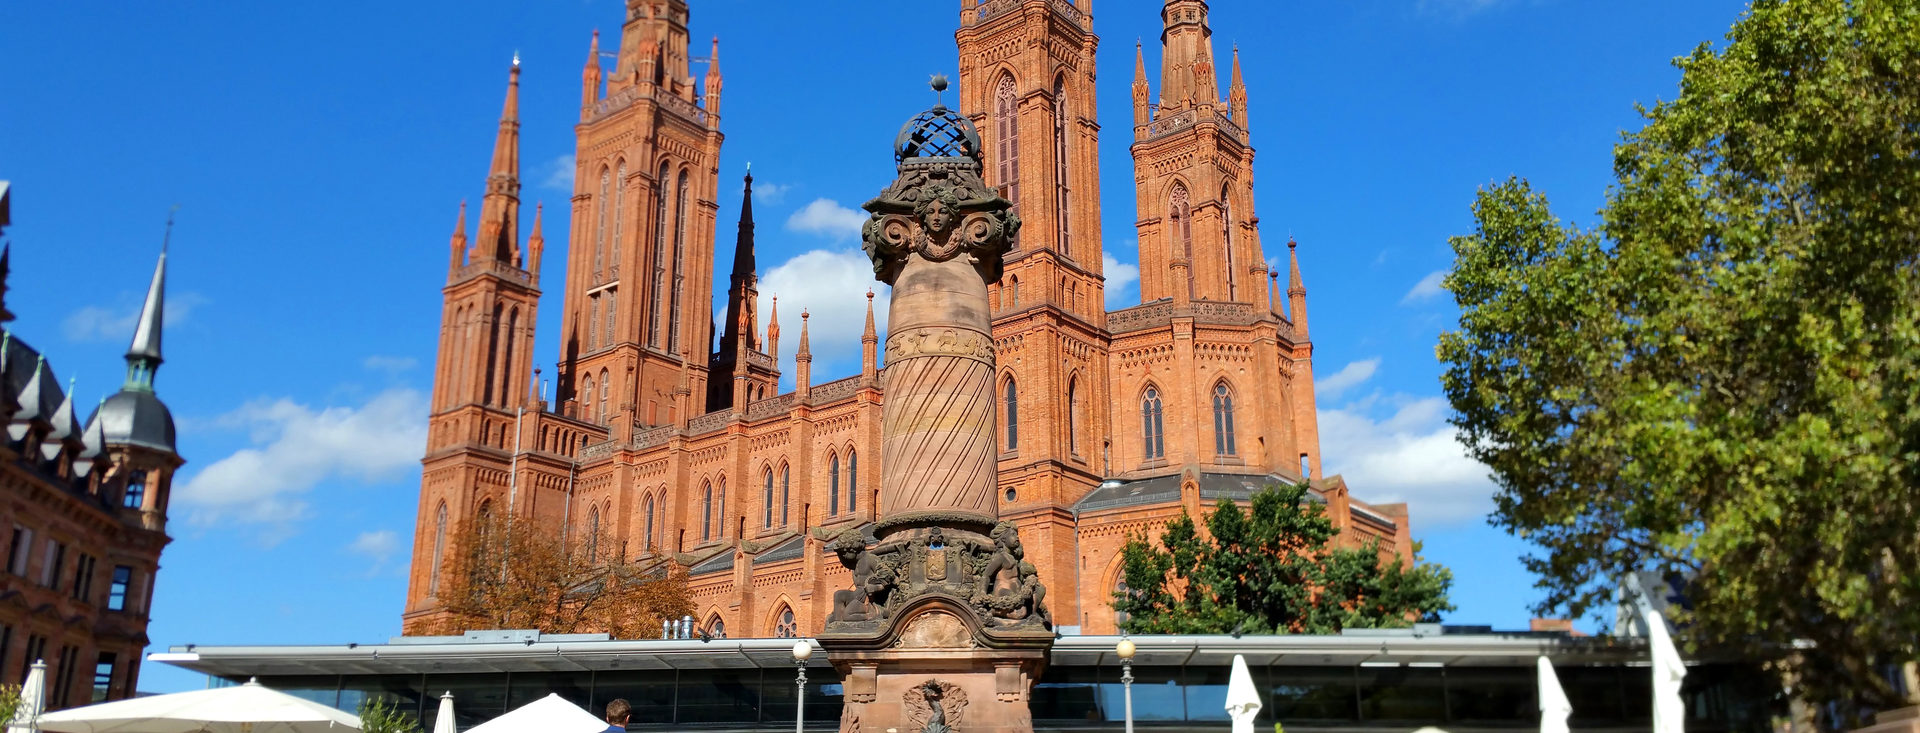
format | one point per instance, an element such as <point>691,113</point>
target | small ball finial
<point>869,294</point>
<point>516,59</point>
<point>938,82</point>
<point>1291,244</point>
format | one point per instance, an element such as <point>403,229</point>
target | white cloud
<point>379,546</point>
<point>828,217</point>
<point>832,286</point>
<point>1121,278</point>
<point>1427,288</point>
<point>1348,377</point>
<point>296,447</point>
<point>560,173</point>
<point>102,323</point>
<point>772,193</point>
<point>392,365</point>
<point>1411,456</point>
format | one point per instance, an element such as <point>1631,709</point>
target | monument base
<point>937,669</point>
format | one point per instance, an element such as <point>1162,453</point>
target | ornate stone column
<point>946,626</point>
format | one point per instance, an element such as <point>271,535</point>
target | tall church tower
<point>743,369</point>
<point>1027,83</point>
<point>1195,172</point>
<point>1200,254</point>
<point>482,378</point>
<point>640,268</point>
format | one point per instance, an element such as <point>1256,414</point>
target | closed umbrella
<point>33,699</point>
<point>1554,706</point>
<point>248,708</point>
<point>443,723</point>
<point>1243,699</point>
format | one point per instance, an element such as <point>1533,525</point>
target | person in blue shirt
<point>617,711</point>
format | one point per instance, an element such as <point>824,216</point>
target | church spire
<point>773,329</point>
<point>744,291</point>
<point>1296,292</point>
<point>1142,96</point>
<point>143,356</point>
<point>1237,93</point>
<point>869,343</point>
<point>458,242</point>
<point>500,210</point>
<point>590,77</point>
<point>536,243</point>
<point>713,81</point>
<point>803,363</point>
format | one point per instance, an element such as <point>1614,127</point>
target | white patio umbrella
<point>550,714</point>
<point>33,699</point>
<point>443,723</point>
<point>1555,708</point>
<point>1243,699</point>
<point>1669,711</point>
<point>248,708</point>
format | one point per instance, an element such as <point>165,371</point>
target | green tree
<point>1723,379</point>
<point>1270,569</point>
<point>380,715</point>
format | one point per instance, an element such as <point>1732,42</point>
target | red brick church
<point>680,447</point>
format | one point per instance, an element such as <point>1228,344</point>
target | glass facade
<point>1729,698</point>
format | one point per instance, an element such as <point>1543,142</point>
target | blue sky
<point>319,151</point>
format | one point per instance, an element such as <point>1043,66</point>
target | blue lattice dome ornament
<point>937,133</point>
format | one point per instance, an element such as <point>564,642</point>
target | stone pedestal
<point>938,656</point>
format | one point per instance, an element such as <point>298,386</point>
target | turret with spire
<point>590,78</point>
<point>803,363</point>
<point>740,341</point>
<point>1237,93</point>
<point>135,417</point>
<point>713,83</point>
<point>1142,96</point>
<point>1296,292</point>
<point>869,345</point>
<point>499,237</point>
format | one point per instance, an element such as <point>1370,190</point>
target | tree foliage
<point>517,575</point>
<point>1723,379</point>
<point>1270,569</point>
<point>380,715</point>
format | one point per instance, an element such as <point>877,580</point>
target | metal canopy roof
<point>551,654</point>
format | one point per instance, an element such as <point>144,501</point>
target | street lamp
<point>801,651</point>
<point>1125,650</point>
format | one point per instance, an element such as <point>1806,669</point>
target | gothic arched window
<point>1226,236</point>
<point>853,479</point>
<point>784,625</point>
<point>586,398</point>
<point>439,548</point>
<point>679,262</point>
<point>833,484</point>
<point>716,627</point>
<point>1010,414</point>
<point>786,494</point>
<point>720,510</point>
<point>1180,214</point>
<point>493,352</point>
<point>647,540</point>
<point>1223,419</point>
<point>1006,133</point>
<point>1060,187</point>
<point>593,534</point>
<point>601,204</point>
<point>506,356</point>
<point>612,312</point>
<point>659,257</point>
<point>619,217</point>
<point>604,389</point>
<point>1152,427</point>
<point>706,515</point>
<point>1073,416</point>
<point>767,500</point>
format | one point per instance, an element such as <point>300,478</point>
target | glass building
<point>1461,679</point>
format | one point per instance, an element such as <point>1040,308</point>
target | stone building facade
<point>684,451</point>
<point>83,506</point>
